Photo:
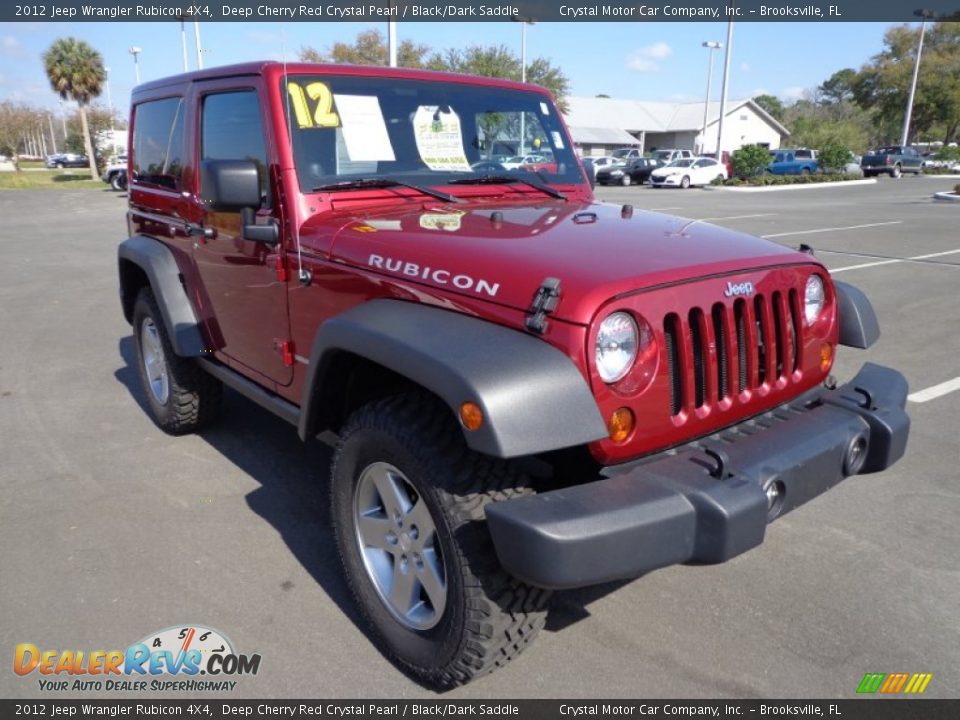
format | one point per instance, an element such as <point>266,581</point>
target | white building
<point>600,125</point>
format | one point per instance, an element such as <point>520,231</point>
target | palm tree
<point>76,73</point>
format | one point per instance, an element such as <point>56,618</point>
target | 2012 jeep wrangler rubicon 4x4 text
<point>528,389</point>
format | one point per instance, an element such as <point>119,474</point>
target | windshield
<point>348,128</point>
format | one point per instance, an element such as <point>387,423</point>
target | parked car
<point>529,162</point>
<point>794,162</point>
<point>668,155</point>
<point>627,153</point>
<point>894,160</point>
<point>115,174</point>
<point>687,172</point>
<point>725,160</point>
<point>604,161</point>
<point>636,172</point>
<point>66,160</point>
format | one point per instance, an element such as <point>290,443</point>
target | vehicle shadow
<point>292,475</point>
<point>292,497</point>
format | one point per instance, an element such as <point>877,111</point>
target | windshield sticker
<point>449,221</point>
<point>437,131</point>
<point>544,108</point>
<point>557,140</point>
<point>364,129</point>
<point>323,115</point>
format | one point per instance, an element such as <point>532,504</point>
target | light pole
<point>524,21</point>
<point>135,51</point>
<point>723,92</point>
<point>183,45</point>
<point>711,45</point>
<point>196,36</point>
<point>392,38</point>
<point>113,132</point>
<point>925,15</point>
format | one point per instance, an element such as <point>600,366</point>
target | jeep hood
<point>501,251</point>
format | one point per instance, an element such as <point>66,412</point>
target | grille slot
<point>793,307</point>
<point>671,335</point>
<point>763,340</point>
<point>779,331</point>
<point>739,315</point>
<point>723,350</point>
<point>699,351</point>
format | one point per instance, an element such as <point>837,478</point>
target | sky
<point>643,61</point>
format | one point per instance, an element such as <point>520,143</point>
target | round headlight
<point>813,298</point>
<point>616,346</point>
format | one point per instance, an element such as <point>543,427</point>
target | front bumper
<point>707,502</point>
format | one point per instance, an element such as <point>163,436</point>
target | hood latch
<point>544,302</point>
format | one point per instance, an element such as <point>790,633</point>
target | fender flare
<point>859,326</point>
<point>158,263</point>
<point>533,397</point>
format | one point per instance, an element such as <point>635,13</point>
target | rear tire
<point>461,614</point>
<point>182,397</point>
<point>896,171</point>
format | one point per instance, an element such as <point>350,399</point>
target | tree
<point>833,156</point>
<point>882,85</point>
<point>16,121</point>
<point>838,88</point>
<point>370,48</point>
<point>76,72</point>
<point>772,105</point>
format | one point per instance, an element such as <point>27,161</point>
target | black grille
<point>671,333</point>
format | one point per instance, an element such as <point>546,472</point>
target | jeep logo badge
<point>735,289</point>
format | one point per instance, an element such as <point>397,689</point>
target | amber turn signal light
<point>826,356</point>
<point>471,415</point>
<point>620,424</point>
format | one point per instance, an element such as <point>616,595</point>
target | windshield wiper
<point>501,178</point>
<point>384,182</point>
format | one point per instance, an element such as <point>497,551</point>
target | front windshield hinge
<point>545,301</point>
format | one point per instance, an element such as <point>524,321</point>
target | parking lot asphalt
<point>111,530</point>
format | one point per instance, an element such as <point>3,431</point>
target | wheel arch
<point>532,396</point>
<point>145,262</point>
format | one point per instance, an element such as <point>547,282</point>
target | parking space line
<point>915,258</point>
<point>662,209</point>
<point>736,217</point>
<point>931,393</point>
<point>832,229</point>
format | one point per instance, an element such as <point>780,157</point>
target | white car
<point>517,160</point>
<point>687,172</point>
<point>602,161</point>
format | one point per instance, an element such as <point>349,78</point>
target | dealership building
<point>599,125</point>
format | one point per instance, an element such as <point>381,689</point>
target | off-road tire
<point>193,399</point>
<point>489,616</point>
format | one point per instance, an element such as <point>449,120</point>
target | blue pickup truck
<point>893,160</point>
<point>794,162</point>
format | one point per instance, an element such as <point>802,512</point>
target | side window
<point>158,143</point>
<point>232,129</point>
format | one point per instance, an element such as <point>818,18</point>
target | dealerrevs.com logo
<point>171,659</point>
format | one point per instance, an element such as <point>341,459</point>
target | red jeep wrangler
<point>528,389</point>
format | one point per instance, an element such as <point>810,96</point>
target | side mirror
<point>229,185</point>
<point>232,186</point>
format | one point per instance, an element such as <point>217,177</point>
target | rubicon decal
<point>436,275</point>
<point>895,683</point>
<point>182,650</point>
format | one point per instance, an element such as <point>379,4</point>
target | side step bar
<point>250,390</point>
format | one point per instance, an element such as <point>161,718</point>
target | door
<point>241,277</point>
